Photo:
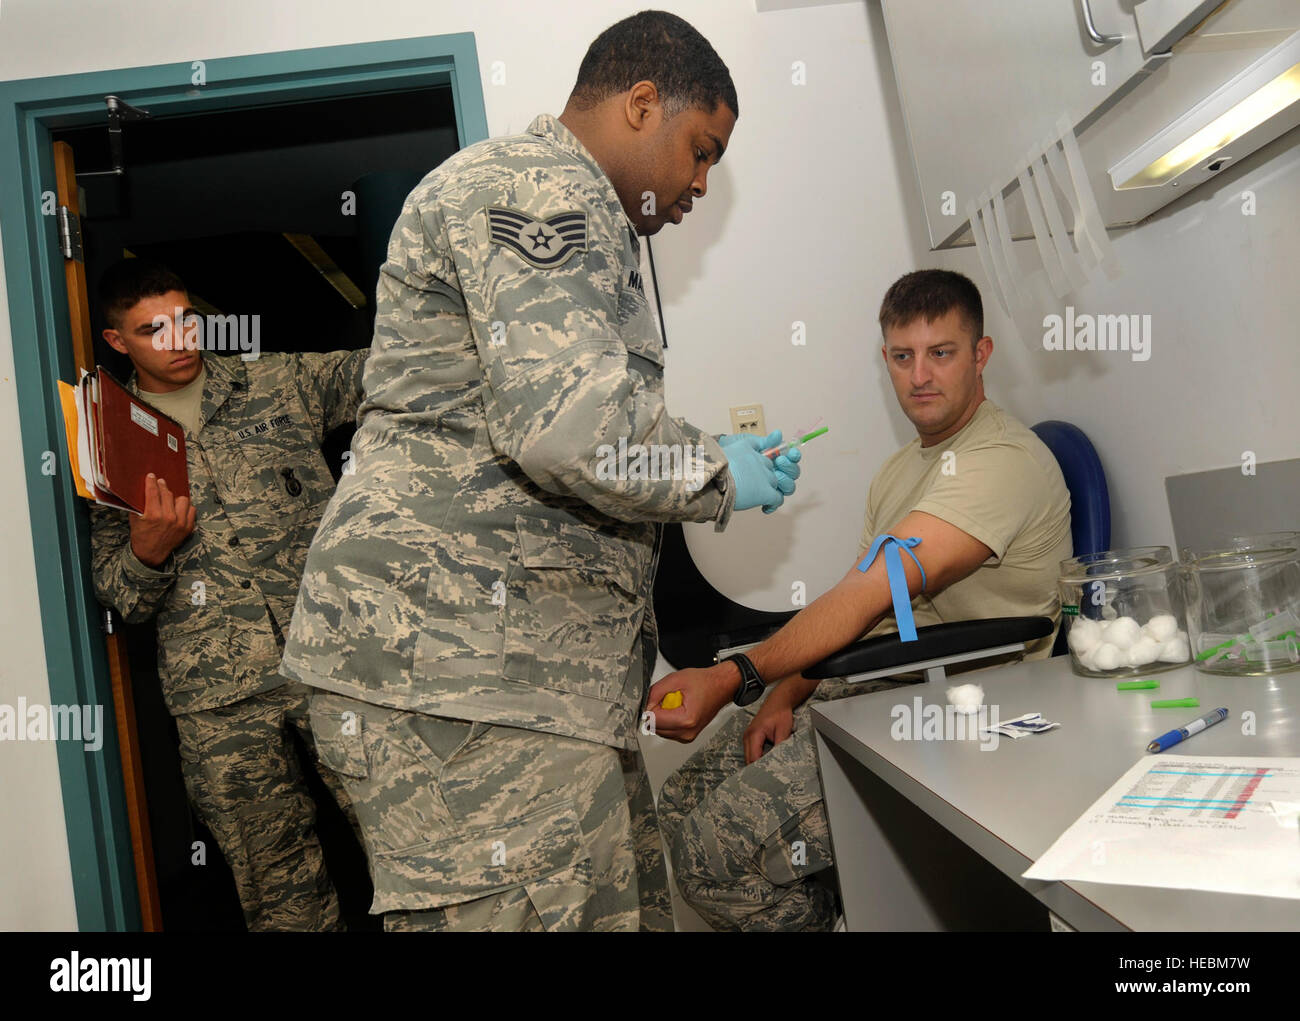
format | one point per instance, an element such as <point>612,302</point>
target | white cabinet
<point>983,84</point>
<point>1161,23</point>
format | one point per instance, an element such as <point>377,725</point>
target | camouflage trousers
<point>244,779</point>
<point>469,826</point>
<point>748,842</point>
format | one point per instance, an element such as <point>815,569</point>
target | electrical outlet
<point>748,418</point>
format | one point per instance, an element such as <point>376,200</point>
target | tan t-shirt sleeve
<point>868,520</point>
<point>990,495</point>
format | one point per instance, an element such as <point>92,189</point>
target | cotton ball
<point>1122,633</point>
<point>1108,657</point>
<point>1175,650</point>
<point>1162,628</point>
<point>1087,658</point>
<point>966,698</point>
<point>1145,650</point>
<point>1084,634</point>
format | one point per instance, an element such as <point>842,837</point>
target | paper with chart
<point>1226,825</point>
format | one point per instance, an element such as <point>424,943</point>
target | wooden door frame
<point>99,844</point>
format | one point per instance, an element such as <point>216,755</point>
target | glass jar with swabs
<point>1243,609</point>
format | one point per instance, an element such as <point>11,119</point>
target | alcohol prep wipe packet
<point>1030,723</point>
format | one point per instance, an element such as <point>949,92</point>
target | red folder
<point>125,440</point>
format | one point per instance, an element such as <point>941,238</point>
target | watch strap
<point>751,683</point>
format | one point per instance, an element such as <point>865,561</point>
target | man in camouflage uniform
<point>745,824</point>
<point>476,602</point>
<point>219,567</point>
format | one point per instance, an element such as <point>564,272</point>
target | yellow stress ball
<point>672,700</point>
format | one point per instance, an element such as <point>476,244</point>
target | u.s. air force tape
<point>542,243</point>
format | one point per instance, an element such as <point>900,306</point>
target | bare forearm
<point>829,623</point>
<point>794,690</point>
<point>853,607</point>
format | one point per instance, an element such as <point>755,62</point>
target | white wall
<point>35,878</point>
<point>810,217</point>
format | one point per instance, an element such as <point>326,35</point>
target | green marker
<point>1136,685</point>
<point>1176,703</point>
<point>777,451</point>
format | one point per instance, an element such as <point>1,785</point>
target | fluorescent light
<point>1264,96</point>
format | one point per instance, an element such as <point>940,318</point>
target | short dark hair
<point>662,48</point>
<point>131,280</point>
<point>931,294</point>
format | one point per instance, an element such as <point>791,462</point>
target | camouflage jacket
<point>487,561</point>
<point>259,484</point>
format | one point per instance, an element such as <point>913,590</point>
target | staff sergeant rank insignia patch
<point>541,243</point>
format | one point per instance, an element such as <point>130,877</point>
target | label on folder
<point>143,419</point>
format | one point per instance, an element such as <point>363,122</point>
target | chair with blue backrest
<point>1086,481</point>
<point>1089,497</point>
<point>699,625</point>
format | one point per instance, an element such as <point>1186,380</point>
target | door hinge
<point>106,624</point>
<point>70,235</point>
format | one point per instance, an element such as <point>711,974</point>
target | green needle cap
<point>1176,703</point>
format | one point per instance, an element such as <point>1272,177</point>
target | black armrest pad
<point>932,642</point>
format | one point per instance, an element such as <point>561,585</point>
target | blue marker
<point>1165,741</point>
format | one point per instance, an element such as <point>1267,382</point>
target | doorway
<point>241,188</point>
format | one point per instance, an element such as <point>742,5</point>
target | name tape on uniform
<point>264,426</point>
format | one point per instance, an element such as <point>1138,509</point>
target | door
<point>119,669</point>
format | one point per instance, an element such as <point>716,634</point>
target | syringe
<point>777,451</point>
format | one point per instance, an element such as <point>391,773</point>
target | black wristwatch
<point>751,685</point>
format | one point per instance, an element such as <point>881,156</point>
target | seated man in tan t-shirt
<point>745,826</point>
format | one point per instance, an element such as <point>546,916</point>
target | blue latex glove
<point>754,475</point>
<point>787,465</point>
<point>730,439</point>
<point>787,470</point>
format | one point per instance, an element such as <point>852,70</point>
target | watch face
<point>750,692</point>
<point>751,685</point>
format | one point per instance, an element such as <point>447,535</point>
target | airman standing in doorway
<point>219,568</point>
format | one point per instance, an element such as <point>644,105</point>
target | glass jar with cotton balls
<point>1123,611</point>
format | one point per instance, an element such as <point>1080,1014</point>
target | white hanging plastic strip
<point>1008,253</point>
<point>982,247</point>
<point>1060,239</point>
<point>1093,223</point>
<point>1051,262</point>
<point>995,251</point>
<point>1087,257</point>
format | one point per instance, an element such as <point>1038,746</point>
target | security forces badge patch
<point>542,243</point>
